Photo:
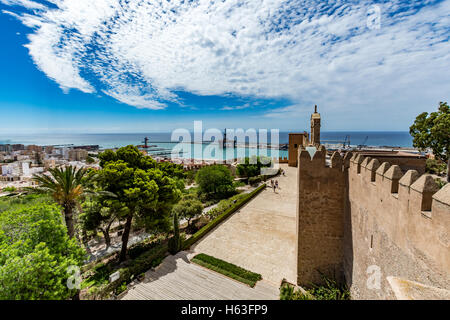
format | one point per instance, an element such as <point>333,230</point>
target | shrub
<point>287,292</point>
<point>20,202</point>
<point>330,290</point>
<point>227,269</point>
<point>35,254</point>
<point>98,275</point>
<point>253,181</point>
<point>139,248</point>
<point>441,183</point>
<point>9,189</point>
<point>238,184</point>
<point>210,202</point>
<point>150,259</point>
<point>435,166</point>
<point>121,288</point>
<point>220,208</point>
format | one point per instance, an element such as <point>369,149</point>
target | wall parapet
<point>409,212</point>
<point>393,178</point>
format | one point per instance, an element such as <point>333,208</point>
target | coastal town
<point>18,162</point>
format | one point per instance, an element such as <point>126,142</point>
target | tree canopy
<point>251,167</point>
<point>215,181</point>
<point>142,185</point>
<point>35,254</point>
<point>433,131</point>
<point>99,214</point>
<point>188,209</point>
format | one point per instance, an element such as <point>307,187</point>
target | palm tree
<point>65,186</point>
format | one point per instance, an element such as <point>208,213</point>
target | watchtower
<point>315,128</point>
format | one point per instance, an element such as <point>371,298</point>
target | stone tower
<point>315,128</point>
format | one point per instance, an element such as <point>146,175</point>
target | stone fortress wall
<point>320,214</point>
<point>379,226</point>
<point>398,225</point>
<point>362,220</point>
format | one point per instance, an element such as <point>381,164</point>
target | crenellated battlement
<point>400,221</point>
<point>362,213</point>
<point>390,182</point>
<point>318,160</point>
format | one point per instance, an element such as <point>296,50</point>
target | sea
<point>161,144</point>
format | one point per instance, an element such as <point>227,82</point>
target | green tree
<point>251,167</point>
<point>35,254</point>
<point>433,131</point>
<point>175,241</point>
<point>65,185</point>
<point>143,187</point>
<point>215,181</point>
<point>100,214</point>
<point>188,209</point>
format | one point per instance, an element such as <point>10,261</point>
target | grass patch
<point>227,269</point>
<point>19,202</point>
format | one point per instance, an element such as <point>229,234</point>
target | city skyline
<point>78,67</point>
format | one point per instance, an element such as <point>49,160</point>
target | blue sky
<point>141,66</point>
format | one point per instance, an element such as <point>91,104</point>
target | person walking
<point>276,184</point>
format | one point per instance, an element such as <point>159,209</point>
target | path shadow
<point>167,266</point>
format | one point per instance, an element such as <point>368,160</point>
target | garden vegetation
<point>227,269</point>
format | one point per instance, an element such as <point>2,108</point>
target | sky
<point>112,66</point>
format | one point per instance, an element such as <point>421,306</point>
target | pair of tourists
<point>274,184</point>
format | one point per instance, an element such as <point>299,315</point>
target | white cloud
<point>288,112</point>
<point>28,4</point>
<point>240,107</point>
<point>133,97</point>
<point>142,52</point>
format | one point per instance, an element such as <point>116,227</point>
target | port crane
<point>364,144</point>
<point>225,140</point>
<point>345,143</point>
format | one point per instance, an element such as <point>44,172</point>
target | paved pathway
<point>261,236</point>
<point>178,279</point>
